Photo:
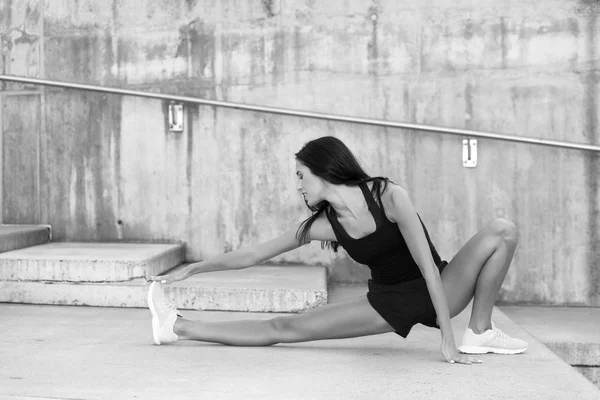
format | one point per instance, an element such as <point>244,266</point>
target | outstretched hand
<point>178,274</point>
<point>452,355</point>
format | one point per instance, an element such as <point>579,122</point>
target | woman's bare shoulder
<point>390,199</point>
<point>390,191</point>
<point>321,229</point>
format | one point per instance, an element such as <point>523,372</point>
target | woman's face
<point>309,185</point>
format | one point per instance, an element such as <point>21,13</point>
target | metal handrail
<point>298,113</point>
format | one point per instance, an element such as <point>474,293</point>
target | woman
<point>374,220</point>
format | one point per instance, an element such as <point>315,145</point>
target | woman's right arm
<point>252,255</point>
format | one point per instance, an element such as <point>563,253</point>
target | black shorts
<point>405,304</point>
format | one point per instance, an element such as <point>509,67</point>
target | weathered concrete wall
<point>100,167</point>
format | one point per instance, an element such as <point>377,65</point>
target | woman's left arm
<point>404,214</point>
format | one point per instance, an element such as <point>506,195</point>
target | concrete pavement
<point>107,353</point>
<point>571,332</point>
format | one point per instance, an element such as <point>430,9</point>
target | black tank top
<point>384,251</point>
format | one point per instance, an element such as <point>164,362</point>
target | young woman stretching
<point>374,221</point>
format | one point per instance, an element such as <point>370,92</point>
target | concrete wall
<point>100,167</point>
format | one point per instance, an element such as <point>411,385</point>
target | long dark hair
<point>331,160</point>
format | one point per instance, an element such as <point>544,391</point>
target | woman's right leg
<point>348,319</point>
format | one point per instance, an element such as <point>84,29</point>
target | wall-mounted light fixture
<point>175,117</point>
<point>469,153</point>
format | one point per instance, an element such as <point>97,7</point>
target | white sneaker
<point>491,341</point>
<point>164,315</point>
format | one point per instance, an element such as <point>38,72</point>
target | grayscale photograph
<point>300,200</point>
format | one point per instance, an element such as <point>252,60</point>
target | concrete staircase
<point>36,271</point>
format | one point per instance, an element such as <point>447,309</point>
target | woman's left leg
<point>478,270</point>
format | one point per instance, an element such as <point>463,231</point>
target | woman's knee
<point>505,230</point>
<point>284,330</point>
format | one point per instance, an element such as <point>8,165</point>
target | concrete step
<point>13,237</point>
<point>258,289</point>
<point>570,332</point>
<point>89,262</point>
<point>289,288</point>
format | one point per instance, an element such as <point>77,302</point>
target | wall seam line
<point>42,130</point>
<point>1,158</point>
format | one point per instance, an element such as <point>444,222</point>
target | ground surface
<point>107,353</point>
